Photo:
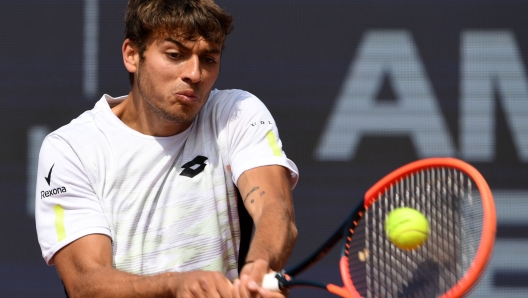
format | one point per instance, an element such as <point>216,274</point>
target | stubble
<point>160,104</point>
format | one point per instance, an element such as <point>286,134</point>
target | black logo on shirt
<point>194,167</point>
<point>261,122</point>
<point>52,192</point>
<point>48,179</point>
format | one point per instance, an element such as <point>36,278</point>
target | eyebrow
<point>209,50</point>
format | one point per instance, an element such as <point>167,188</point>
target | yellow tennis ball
<point>406,228</point>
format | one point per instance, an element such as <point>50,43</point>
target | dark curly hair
<point>190,19</point>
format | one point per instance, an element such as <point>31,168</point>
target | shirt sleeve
<point>254,139</point>
<point>66,207</point>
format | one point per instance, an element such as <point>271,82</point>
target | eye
<point>209,60</point>
<point>173,55</point>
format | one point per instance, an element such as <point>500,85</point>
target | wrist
<point>256,266</point>
<point>169,283</point>
<point>256,260</point>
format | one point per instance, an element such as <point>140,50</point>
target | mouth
<point>187,96</point>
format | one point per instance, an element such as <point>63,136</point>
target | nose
<point>193,71</point>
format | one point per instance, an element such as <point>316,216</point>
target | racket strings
<point>451,204</point>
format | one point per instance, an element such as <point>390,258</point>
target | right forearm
<point>85,267</point>
<point>109,282</point>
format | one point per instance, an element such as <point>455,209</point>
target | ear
<point>130,56</point>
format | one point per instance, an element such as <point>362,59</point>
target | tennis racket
<point>457,202</point>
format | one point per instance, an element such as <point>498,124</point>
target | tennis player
<point>138,196</point>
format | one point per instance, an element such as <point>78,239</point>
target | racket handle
<point>271,282</point>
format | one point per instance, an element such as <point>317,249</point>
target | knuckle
<point>218,275</point>
<point>195,289</point>
<point>203,282</point>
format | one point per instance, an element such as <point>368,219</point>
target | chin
<point>179,117</point>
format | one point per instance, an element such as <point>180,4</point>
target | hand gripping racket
<point>457,202</point>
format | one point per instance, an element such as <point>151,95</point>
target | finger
<point>253,287</point>
<point>236,286</point>
<point>196,290</point>
<point>243,289</point>
<point>224,286</point>
<point>271,294</point>
<point>209,288</point>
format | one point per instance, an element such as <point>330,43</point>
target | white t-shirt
<point>168,203</point>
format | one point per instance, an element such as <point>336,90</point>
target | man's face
<point>176,76</point>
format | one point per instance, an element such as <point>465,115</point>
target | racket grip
<point>271,282</point>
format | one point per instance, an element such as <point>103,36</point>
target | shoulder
<point>230,94</point>
<point>71,132</point>
<point>234,101</point>
<point>84,130</point>
<point>89,122</point>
